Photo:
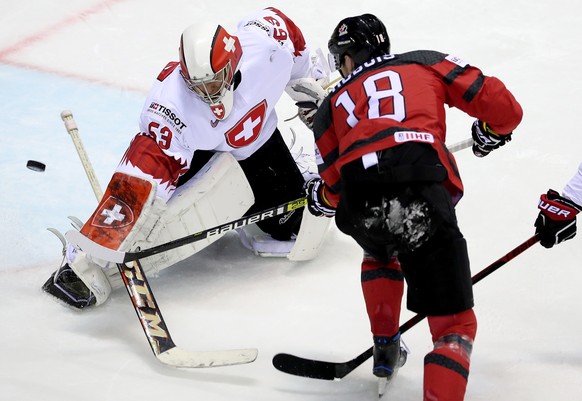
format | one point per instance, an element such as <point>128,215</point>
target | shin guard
<point>446,368</point>
<point>383,287</point>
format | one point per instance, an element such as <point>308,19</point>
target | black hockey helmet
<point>362,38</point>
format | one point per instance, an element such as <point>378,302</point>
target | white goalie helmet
<point>209,64</point>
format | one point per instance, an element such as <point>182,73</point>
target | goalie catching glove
<point>556,221</point>
<point>317,202</point>
<point>308,95</point>
<point>485,140</point>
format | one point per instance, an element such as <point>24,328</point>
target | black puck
<point>35,166</point>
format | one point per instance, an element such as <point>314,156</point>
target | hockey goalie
<point>208,152</point>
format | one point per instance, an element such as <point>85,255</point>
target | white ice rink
<point>98,59</point>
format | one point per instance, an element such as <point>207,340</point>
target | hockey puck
<point>35,166</point>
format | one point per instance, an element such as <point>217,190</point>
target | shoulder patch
<point>456,60</point>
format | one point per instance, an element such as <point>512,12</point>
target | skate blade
<point>383,386</point>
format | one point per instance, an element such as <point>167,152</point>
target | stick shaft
<point>461,145</point>
<point>142,298</point>
<point>312,368</point>
<point>295,204</point>
<point>73,131</point>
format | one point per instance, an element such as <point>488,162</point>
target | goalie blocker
<point>131,217</point>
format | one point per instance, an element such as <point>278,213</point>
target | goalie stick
<point>101,252</point>
<point>156,331</point>
<point>111,255</point>
<point>324,370</point>
<point>73,130</point>
<point>144,303</point>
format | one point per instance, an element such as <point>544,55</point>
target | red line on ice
<point>52,29</point>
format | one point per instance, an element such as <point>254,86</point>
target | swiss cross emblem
<point>113,213</point>
<point>229,44</point>
<point>218,110</point>
<point>248,128</point>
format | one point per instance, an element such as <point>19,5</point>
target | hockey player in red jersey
<point>217,102</point>
<point>556,221</point>
<point>392,185</point>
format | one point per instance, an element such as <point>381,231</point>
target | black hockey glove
<point>485,140</point>
<point>306,112</point>
<point>317,203</point>
<point>556,221</point>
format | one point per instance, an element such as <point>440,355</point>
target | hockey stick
<point>111,255</point>
<point>461,145</point>
<point>144,303</point>
<point>71,126</point>
<point>315,369</point>
<point>156,331</point>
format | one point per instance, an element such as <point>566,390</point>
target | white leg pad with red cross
<point>218,193</point>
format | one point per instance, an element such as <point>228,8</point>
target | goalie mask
<point>209,66</point>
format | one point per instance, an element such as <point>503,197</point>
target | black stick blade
<point>298,366</point>
<point>313,369</point>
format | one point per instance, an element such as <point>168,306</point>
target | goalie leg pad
<point>305,246</point>
<point>218,193</point>
<point>92,276</point>
<point>310,237</point>
<point>122,219</point>
<point>262,244</point>
<point>119,218</point>
<point>125,218</point>
<point>204,201</point>
<point>80,282</point>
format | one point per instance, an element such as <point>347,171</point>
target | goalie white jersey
<point>252,168</point>
<point>573,189</point>
<point>174,122</point>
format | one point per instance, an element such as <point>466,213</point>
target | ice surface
<point>98,58</point>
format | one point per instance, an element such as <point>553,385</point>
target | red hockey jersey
<point>394,99</point>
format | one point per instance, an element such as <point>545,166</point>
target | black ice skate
<point>64,285</point>
<point>390,354</point>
